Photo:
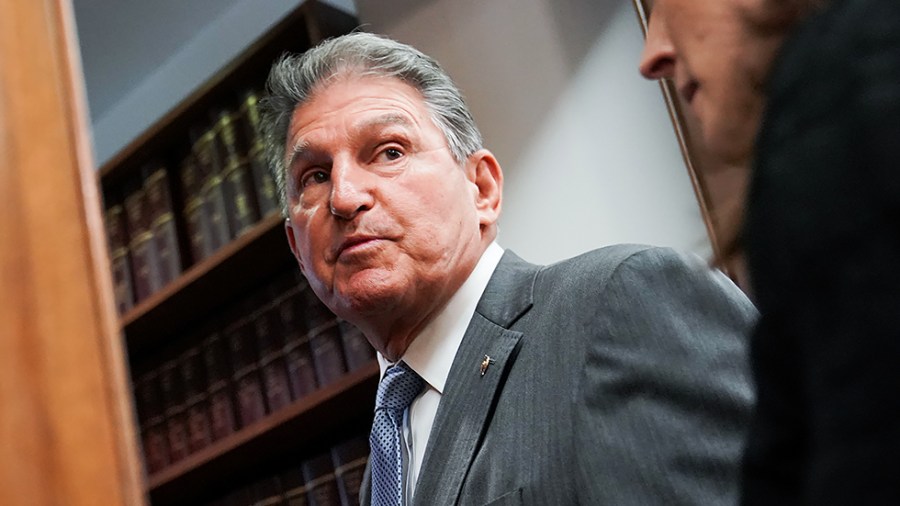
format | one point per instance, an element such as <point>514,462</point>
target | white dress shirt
<point>431,354</point>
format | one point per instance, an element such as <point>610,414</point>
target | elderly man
<point>617,377</point>
<point>808,92</point>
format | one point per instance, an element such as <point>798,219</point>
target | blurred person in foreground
<point>616,377</point>
<point>807,93</point>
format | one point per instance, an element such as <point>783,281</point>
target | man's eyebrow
<point>302,148</point>
<point>383,121</point>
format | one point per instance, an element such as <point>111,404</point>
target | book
<point>270,343</point>
<point>251,402</point>
<point>223,420</point>
<point>349,459</point>
<point>324,341</point>
<point>248,120</point>
<point>120,259</point>
<point>148,401</point>
<point>140,244</point>
<point>162,223</point>
<point>321,486</point>
<point>243,209</point>
<point>195,389</point>
<point>293,486</point>
<point>215,199</point>
<point>172,388</point>
<point>297,353</point>
<point>357,350</point>
<point>195,217</point>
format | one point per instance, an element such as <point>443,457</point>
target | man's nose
<point>658,56</point>
<point>351,189</point>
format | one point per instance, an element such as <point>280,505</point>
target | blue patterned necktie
<point>396,391</point>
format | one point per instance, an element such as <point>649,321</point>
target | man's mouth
<point>354,243</point>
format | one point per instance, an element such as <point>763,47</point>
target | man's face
<point>383,221</point>
<point>718,64</point>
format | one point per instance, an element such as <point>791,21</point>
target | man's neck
<point>391,336</point>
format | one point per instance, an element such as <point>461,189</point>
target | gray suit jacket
<point>620,377</point>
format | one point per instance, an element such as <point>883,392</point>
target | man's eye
<point>390,154</point>
<point>313,177</point>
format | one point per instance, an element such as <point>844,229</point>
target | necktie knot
<point>398,388</point>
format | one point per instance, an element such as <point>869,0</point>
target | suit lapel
<point>469,397</point>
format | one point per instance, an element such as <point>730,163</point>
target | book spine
<point>349,460</point>
<point>119,258</point>
<point>271,358</point>
<point>121,274</point>
<point>250,397</point>
<point>142,255</point>
<point>244,207</point>
<point>214,205</point>
<point>223,421</point>
<point>141,244</point>
<point>321,487</point>
<point>293,486</point>
<point>176,417</point>
<point>328,358</point>
<point>264,182</point>
<point>213,189</point>
<point>165,236</point>
<point>357,350</point>
<point>315,313</point>
<point>195,217</point>
<point>152,422</point>
<point>297,354</point>
<point>195,390</point>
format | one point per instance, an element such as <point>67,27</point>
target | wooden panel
<point>66,426</point>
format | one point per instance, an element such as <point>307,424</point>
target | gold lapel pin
<point>485,364</point>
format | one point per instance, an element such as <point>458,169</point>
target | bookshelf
<point>315,417</point>
<point>170,316</point>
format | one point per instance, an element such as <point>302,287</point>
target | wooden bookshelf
<point>257,254</point>
<point>335,408</point>
<point>207,287</point>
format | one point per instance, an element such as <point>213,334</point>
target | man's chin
<point>366,300</point>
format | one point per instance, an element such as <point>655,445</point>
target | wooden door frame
<point>67,429</point>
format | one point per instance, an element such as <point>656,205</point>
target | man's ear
<point>485,173</point>
<point>292,241</point>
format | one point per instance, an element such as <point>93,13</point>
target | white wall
<point>213,44</point>
<point>587,148</point>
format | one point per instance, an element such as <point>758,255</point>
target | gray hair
<point>293,79</point>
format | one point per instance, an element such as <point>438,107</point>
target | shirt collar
<point>432,352</point>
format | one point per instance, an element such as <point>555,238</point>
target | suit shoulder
<point>630,266</point>
<point>607,261</point>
